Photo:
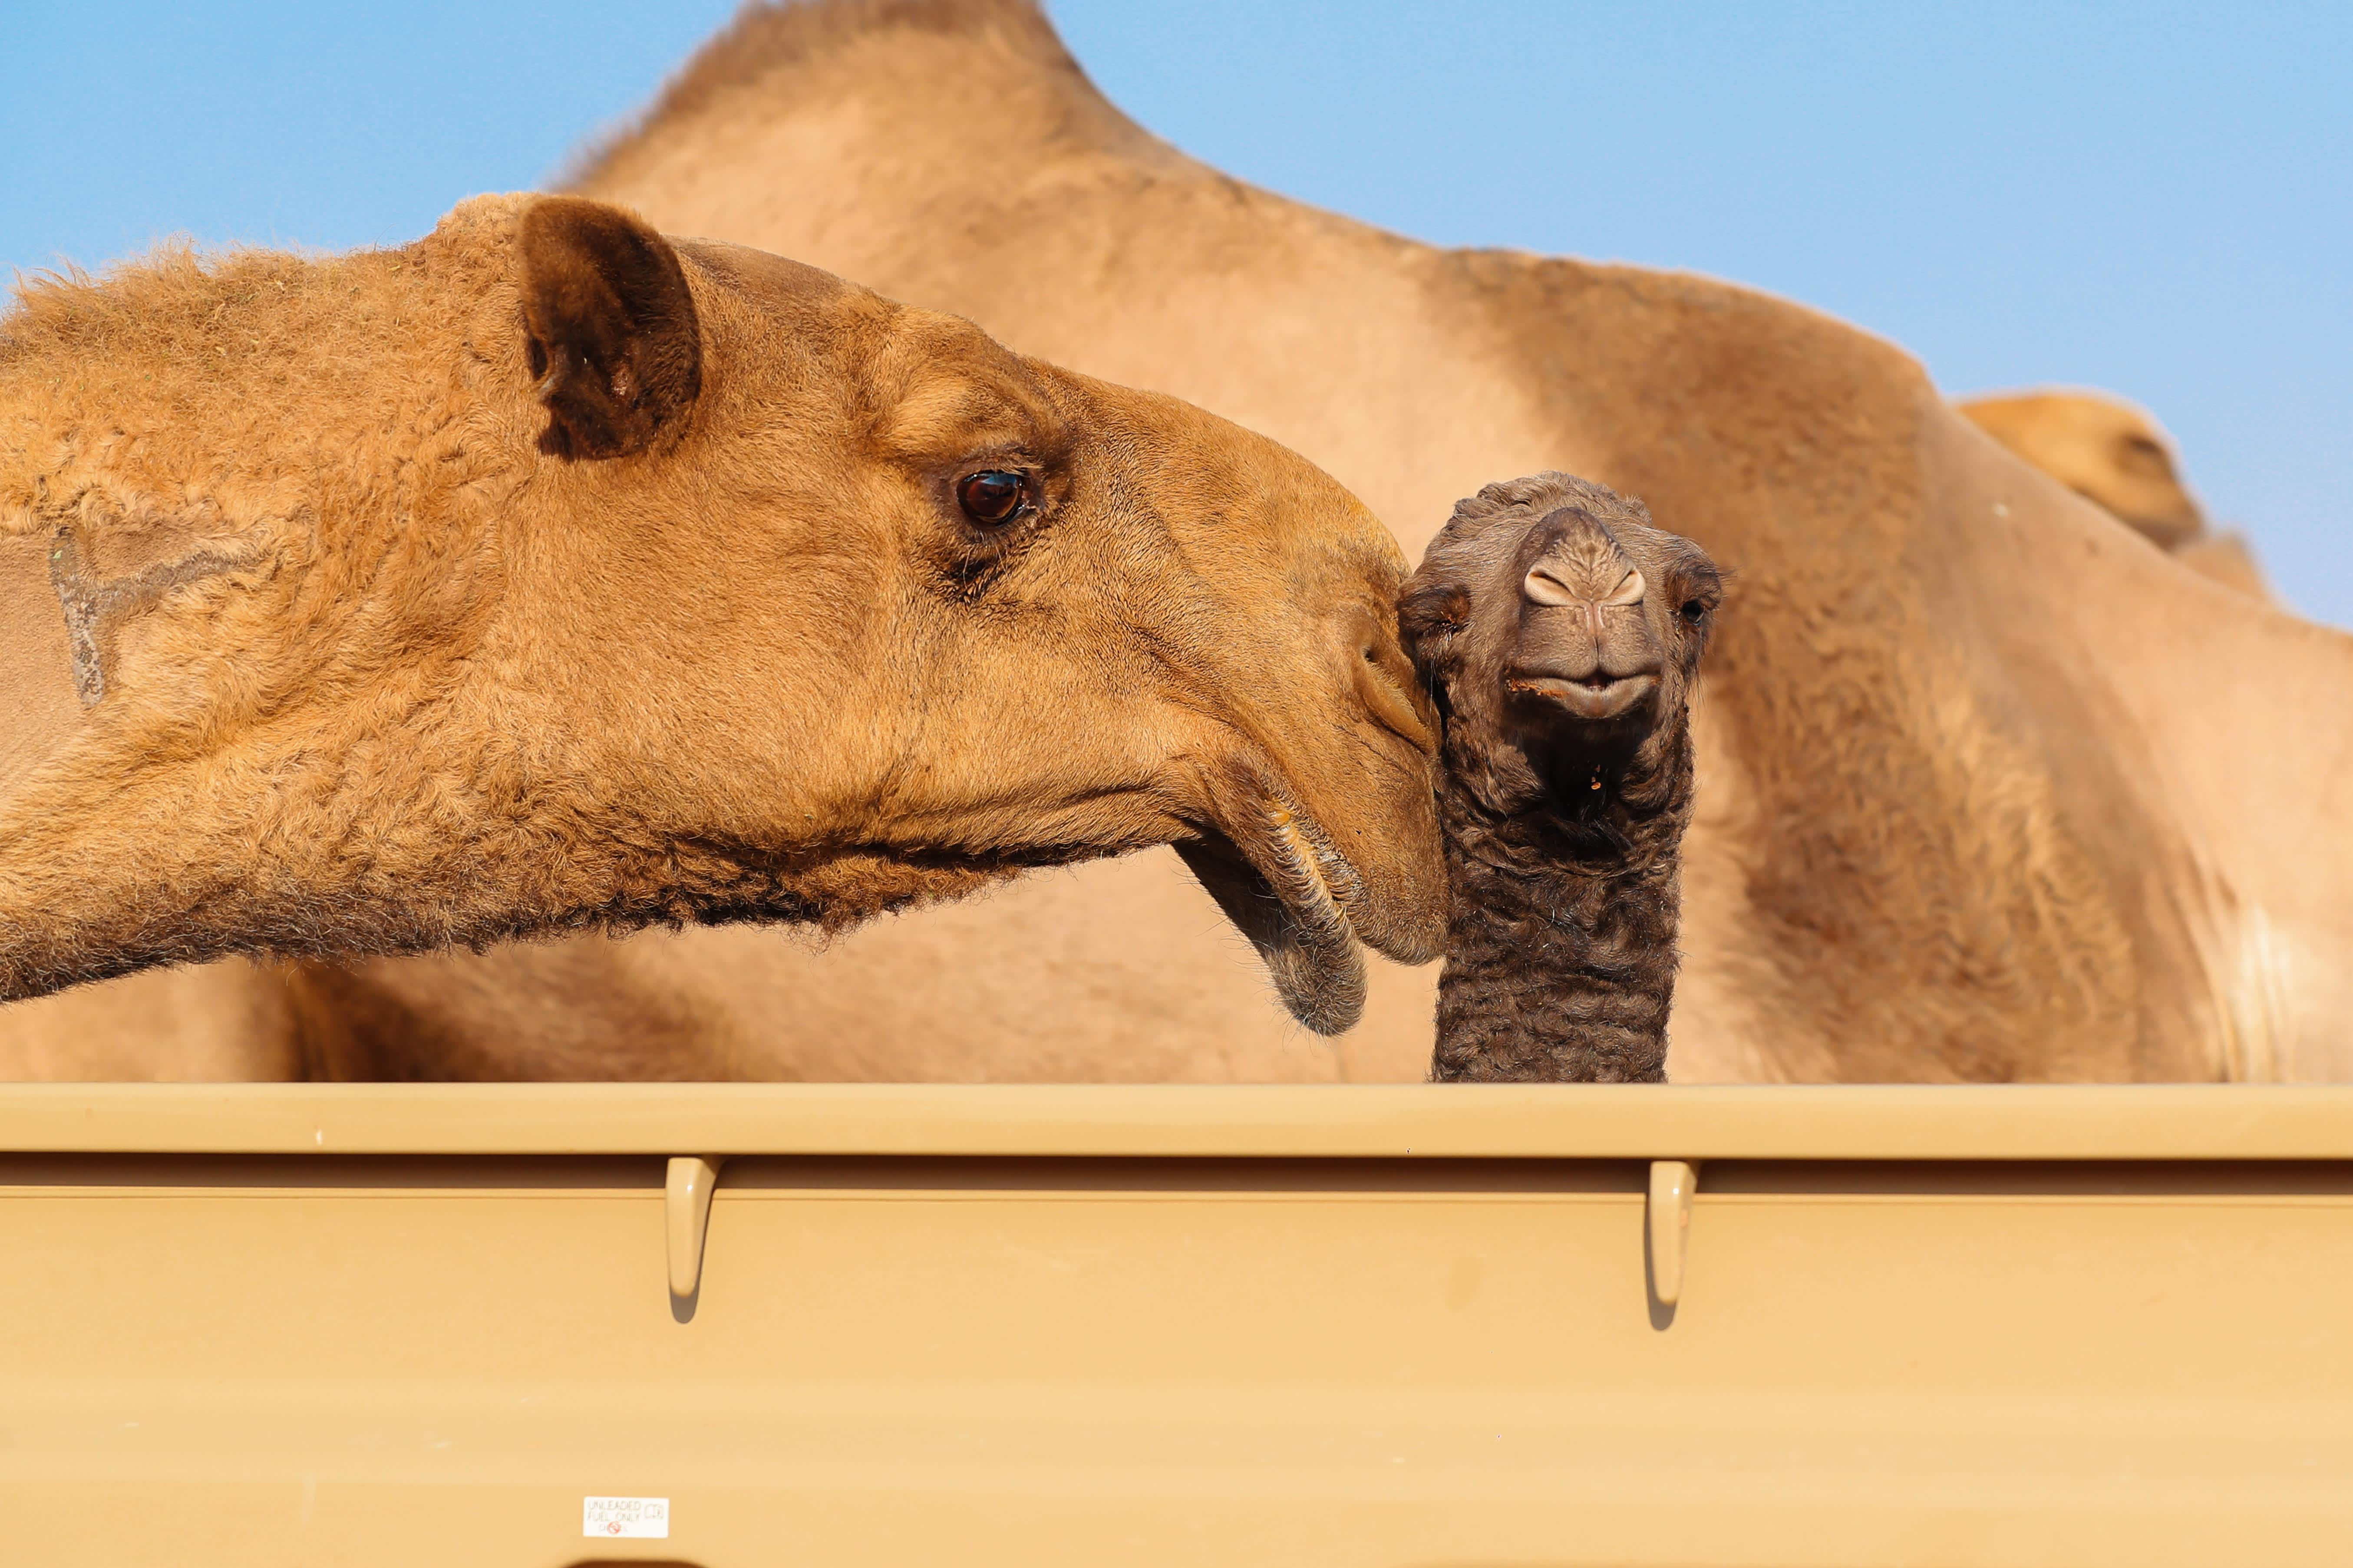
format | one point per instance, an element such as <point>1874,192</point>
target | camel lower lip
<point>1289,892</point>
<point>1587,699</point>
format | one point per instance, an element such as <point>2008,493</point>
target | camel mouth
<point>1277,876</point>
<point>1594,696</point>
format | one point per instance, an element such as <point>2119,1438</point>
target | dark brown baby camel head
<point>1561,634</point>
<point>548,573</point>
<point>1558,629</point>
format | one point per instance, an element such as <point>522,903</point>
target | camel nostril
<point>1630,589</point>
<point>1544,588</point>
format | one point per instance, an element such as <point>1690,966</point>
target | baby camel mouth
<point>1594,695</point>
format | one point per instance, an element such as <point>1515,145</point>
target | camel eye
<point>1694,611</point>
<point>993,496</point>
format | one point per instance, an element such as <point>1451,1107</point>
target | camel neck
<point>1560,960</point>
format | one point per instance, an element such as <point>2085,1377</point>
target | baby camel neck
<point>1561,939</point>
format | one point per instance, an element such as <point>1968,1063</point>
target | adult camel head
<point>545,574</point>
<point>2104,450</point>
<point>2113,455</point>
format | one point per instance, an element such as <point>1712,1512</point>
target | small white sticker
<point>625,1518</point>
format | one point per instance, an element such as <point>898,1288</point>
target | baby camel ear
<point>1429,612</point>
<point>614,341</point>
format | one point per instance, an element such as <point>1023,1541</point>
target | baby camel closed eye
<point>1561,634</point>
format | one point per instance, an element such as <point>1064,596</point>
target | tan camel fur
<point>1989,788</point>
<point>2108,451</point>
<point>2224,556</point>
<point>543,576</point>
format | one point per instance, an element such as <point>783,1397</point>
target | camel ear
<point>1429,612</point>
<point>614,339</point>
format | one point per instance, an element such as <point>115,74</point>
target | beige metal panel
<point>2092,1122</point>
<point>1048,1361</point>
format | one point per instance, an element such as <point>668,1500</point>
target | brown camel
<point>1561,636</point>
<point>1988,791</point>
<point>2109,452</point>
<point>543,575</point>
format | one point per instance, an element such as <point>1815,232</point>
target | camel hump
<point>614,339</point>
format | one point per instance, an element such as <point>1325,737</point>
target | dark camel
<point>1561,636</point>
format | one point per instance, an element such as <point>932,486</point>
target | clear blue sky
<point>2153,199</point>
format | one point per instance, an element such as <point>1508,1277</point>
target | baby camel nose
<point>1552,582</point>
<point>1587,582</point>
<point>1578,563</point>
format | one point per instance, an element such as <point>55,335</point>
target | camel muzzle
<point>1277,874</point>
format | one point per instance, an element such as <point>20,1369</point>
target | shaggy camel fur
<point>1988,790</point>
<point>545,576</point>
<point>1561,636</point>
<point>2109,452</point>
